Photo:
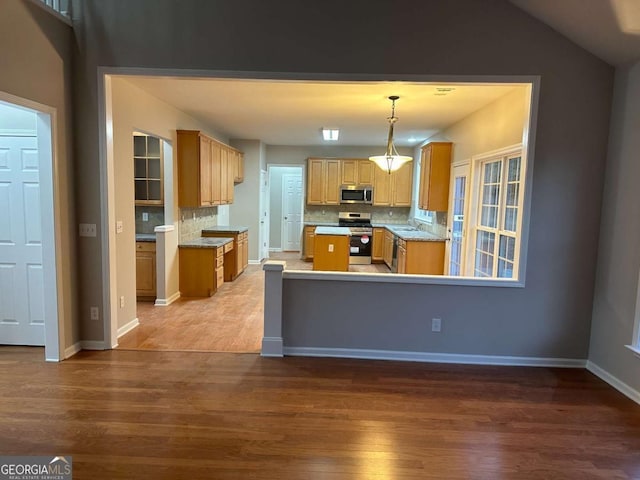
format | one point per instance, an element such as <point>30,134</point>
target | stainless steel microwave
<point>356,194</point>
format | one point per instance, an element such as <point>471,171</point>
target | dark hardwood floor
<point>186,415</point>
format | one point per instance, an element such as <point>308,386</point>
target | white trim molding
<point>432,357</point>
<point>82,345</point>
<point>128,327</point>
<point>614,382</point>
<point>71,351</point>
<point>163,302</point>
<point>271,347</point>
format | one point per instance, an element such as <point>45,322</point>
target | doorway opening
<point>29,306</point>
<point>286,207</point>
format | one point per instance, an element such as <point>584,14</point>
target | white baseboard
<point>271,347</point>
<point>163,302</point>
<point>92,345</point>
<point>435,357</point>
<point>72,350</point>
<point>128,327</point>
<point>255,262</point>
<point>614,381</point>
<point>275,250</point>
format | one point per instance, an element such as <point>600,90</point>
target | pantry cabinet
<point>435,169</point>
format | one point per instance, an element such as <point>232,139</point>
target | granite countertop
<point>145,237</point>
<point>332,231</point>
<point>412,234</point>
<point>321,224</point>
<point>205,242</point>
<point>225,229</point>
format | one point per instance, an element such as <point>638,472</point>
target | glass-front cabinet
<point>147,166</point>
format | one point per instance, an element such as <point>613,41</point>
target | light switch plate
<point>87,229</point>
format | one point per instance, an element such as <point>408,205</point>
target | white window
<point>496,224</point>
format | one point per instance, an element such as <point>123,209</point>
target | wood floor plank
<point>140,414</point>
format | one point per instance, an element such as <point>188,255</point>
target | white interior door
<point>456,220</point>
<point>291,211</point>
<point>21,273</point>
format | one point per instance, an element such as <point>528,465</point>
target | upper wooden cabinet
<point>206,174</point>
<point>323,181</point>
<point>393,189</point>
<point>237,160</point>
<point>435,169</point>
<point>356,172</point>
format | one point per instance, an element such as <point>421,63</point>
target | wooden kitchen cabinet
<point>201,271</point>
<point>238,165</point>
<point>393,189</point>
<point>148,170</point>
<point>402,256</point>
<point>146,270</point>
<point>323,181</point>
<point>356,172</point>
<point>309,242</point>
<point>377,248</point>
<point>205,176</point>
<point>388,248</point>
<point>236,257</point>
<point>435,169</point>
<point>421,258</point>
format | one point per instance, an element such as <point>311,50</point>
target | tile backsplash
<point>194,220</point>
<point>155,218</point>
<point>437,227</point>
<point>329,213</point>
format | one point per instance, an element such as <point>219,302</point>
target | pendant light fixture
<point>391,160</point>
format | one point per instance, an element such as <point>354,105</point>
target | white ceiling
<point>610,29</point>
<point>293,112</point>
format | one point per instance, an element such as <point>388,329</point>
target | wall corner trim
<point>614,381</point>
<point>431,357</point>
<point>271,347</point>
<point>93,345</point>
<point>71,351</point>
<point>164,302</point>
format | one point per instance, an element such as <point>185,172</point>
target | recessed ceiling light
<point>330,134</point>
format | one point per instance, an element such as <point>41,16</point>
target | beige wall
<point>134,109</point>
<point>35,64</point>
<point>498,125</point>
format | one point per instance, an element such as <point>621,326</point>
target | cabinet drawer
<point>220,261</point>
<point>145,246</point>
<point>220,251</point>
<point>402,243</point>
<point>228,247</point>
<point>243,236</point>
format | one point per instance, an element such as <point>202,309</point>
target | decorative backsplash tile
<point>194,220</point>
<point>155,218</point>
<point>329,213</point>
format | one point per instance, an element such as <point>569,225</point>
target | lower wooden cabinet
<point>146,270</point>
<point>201,271</point>
<point>387,252</point>
<point>377,248</point>
<point>309,242</point>
<point>236,258</point>
<point>424,258</point>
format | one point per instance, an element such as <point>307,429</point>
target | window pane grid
<point>495,249</point>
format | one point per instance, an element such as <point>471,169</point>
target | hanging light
<point>391,160</point>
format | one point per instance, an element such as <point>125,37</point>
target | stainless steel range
<point>359,225</point>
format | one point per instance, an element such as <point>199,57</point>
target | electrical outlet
<point>122,301</point>
<point>119,226</point>
<point>145,216</point>
<point>436,324</point>
<point>331,247</point>
<point>95,313</point>
<point>87,229</point>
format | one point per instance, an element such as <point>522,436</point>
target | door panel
<point>292,211</point>
<point>456,220</point>
<point>21,274</point>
